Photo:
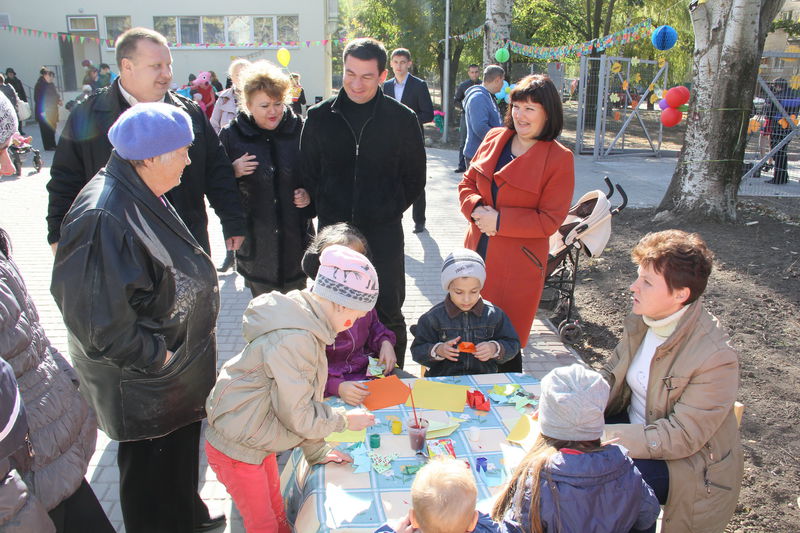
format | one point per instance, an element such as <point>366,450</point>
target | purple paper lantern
<point>662,104</point>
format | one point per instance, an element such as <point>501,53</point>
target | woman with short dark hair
<point>516,194</point>
<point>45,96</point>
<point>674,379</point>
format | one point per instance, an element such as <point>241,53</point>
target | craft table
<point>333,498</point>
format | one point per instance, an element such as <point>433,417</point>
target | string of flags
<point>80,39</point>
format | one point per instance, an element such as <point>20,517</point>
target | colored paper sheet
<point>442,396</point>
<point>385,392</point>
<point>347,436</point>
<point>437,430</point>
<point>524,432</point>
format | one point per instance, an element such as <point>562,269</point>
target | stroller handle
<point>624,203</point>
<point>610,192</point>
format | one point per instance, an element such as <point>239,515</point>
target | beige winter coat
<point>694,377</point>
<point>268,398</point>
<point>224,109</point>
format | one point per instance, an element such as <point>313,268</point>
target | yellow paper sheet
<point>441,396</point>
<point>524,432</point>
<point>347,436</point>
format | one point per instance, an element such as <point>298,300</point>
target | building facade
<point>203,36</point>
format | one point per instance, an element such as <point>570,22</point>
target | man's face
<point>148,73</point>
<point>361,79</point>
<point>10,75</point>
<point>400,66</point>
<point>495,85</point>
<point>473,73</point>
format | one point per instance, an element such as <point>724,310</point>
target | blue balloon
<point>501,94</point>
<point>664,37</point>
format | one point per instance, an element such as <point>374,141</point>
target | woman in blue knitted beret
<point>139,298</point>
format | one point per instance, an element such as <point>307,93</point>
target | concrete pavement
<point>23,205</point>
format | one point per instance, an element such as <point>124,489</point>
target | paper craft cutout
<point>524,432</point>
<point>361,461</point>
<point>442,447</point>
<point>375,368</point>
<point>466,347</point>
<point>380,462</point>
<point>385,392</point>
<point>437,430</point>
<point>477,400</point>
<point>347,436</point>
<point>410,469</point>
<point>505,390</point>
<point>440,396</point>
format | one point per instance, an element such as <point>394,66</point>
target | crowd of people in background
<point>138,292</point>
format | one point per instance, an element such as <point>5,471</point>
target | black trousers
<point>48,132</point>
<point>462,135</point>
<point>418,209</point>
<point>81,512</point>
<point>158,482</point>
<point>780,158</point>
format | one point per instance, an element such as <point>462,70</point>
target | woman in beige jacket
<point>674,378</point>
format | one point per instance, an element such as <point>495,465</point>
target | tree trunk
<point>497,29</point>
<point>729,40</point>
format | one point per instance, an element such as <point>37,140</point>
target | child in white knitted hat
<point>464,334</point>
<point>268,398</point>
<point>569,481</point>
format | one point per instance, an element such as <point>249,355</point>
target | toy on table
<point>477,400</point>
<point>375,368</point>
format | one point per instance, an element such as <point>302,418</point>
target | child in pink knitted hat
<point>268,398</point>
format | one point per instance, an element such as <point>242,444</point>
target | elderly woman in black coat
<point>139,298</point>
<point>263,143</point>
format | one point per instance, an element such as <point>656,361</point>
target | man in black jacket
<point>145,65</point>
<point>413,93</point>
<point>363,162</point>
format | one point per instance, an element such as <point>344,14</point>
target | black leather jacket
<point>131,283</point>
<point>84,148</point>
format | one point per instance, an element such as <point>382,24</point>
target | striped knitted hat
<point>347,278</point>
<point>463,263</point>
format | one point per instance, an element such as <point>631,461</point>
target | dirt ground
<point>755,292</point>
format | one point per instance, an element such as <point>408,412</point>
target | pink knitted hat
<point>347,278</point>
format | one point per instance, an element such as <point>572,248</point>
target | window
<point>189,30</point>
<point>166,27</point>
<point>116,26</point>
<point>239,29</point>
<point>213,30</point>
<point>288,28</point>
<point>264,29</point>
<point>78,24</point>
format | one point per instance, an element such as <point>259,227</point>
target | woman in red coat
<point>516,193</point>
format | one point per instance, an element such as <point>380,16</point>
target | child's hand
<point>486,350</point>
<point>352,392</point>
<point>387,357</point>
<point>405,526</point>
<point>335,456</point>
<point>358,419</point>
<point>449,349</point>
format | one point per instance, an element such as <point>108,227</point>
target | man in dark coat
<point>363,162</point>
<point>145,76</point>
<point>414,94</point>
<point>139,298</point>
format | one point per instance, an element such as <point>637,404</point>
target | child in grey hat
<point>464,334</point>
<point>569,481</point>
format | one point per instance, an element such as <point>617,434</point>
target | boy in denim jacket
<point>464,334</point>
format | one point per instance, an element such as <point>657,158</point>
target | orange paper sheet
<point>385,392</point>
<point>437,395</point>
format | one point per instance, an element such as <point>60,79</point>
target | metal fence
<point>772,157</point>
<point>616,110</point>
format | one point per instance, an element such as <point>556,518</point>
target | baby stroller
<point>587,228</point>
<point>19,150</point>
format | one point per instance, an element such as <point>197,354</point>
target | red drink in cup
<point>417,434</point>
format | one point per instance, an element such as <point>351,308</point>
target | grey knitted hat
<point>572,404</point>
<point>463,263</point>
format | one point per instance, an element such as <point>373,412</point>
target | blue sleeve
<point>426,335</point>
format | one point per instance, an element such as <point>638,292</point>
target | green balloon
<point>502,55</point>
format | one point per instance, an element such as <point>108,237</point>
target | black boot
<point>228,263</point>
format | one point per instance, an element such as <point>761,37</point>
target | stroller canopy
<point>589,222</point>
